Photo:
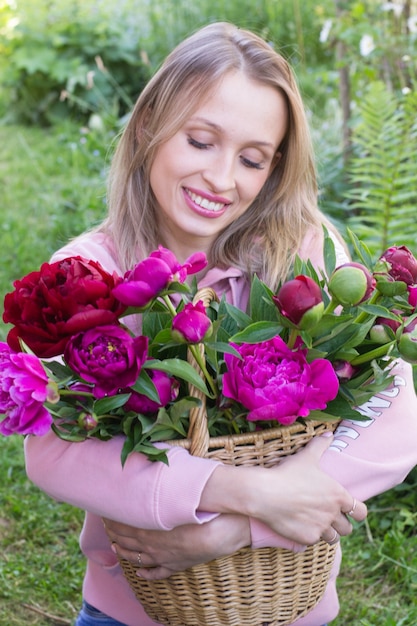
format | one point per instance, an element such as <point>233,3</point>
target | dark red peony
<point>61,299</point>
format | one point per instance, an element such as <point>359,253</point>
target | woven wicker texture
<point>266,586</point>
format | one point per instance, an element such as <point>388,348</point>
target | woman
<point>217,158</point>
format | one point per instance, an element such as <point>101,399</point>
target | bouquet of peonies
<point>316,349</point>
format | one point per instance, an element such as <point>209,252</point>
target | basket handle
<point>198,428</point>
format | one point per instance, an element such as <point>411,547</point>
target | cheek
<point>251,186</point>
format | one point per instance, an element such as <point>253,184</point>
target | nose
<point>220,173</point>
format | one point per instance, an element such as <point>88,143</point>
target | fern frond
<point>383,170</point>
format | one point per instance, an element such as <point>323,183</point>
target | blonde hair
<point>273,227</point>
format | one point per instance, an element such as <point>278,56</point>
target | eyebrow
<point>219,129</point>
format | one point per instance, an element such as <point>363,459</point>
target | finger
<point>134,556</point>
<point>127,543</point>
<point>331,536</point>
<point>155,573</point>
<point>358,511</point>
<point>318,445</point>
<point>118,529</point>
<point>342,525</point>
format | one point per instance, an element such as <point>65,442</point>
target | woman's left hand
<point>158,553</point>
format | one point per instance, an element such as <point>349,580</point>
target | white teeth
<point>204,203</point>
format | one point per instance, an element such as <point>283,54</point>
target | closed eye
<point>197,144</point>
<point>253,164</point>
<point>244,160</point>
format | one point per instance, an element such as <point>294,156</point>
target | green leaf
<point>329,253</point>
<point>144,385</point>
<point>67,436</point>
<point>260,331</point>
<point>361,249</point>
<point>110,403</point>
<point>240,317</point>
<point>224,347</point>
<point>341,408</point>
<point>262,307</point>
<point>60,370</point>
<point>378,311</point>
<point>180,369</point>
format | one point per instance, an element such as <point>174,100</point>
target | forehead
<point>241,106</point>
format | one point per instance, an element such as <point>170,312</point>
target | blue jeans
<point>90,616</point>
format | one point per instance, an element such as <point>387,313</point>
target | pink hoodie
<point>365,457</point>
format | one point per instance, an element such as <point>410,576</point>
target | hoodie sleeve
<point>90,476</point>
<point>371,456</point>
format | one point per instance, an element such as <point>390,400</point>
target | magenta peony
<point>276,383</point>
<point>154,274</point>
<point>108,356</point>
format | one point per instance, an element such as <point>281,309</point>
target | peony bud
<point>380,333</point>
<point>192,325</point>
<point>344,370</point>
<point>407,343</point>
<point>87,421</point>
<point>351,283</point>
<point>300,301</point>
<point>402,264</point>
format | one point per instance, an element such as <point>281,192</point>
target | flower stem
<point>333,304</point>
<point>292,338</point>
<point>202,365</point>
<point>70,392</point>
<point>169,305</point>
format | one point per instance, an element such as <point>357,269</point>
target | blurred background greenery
<point>69,73</point>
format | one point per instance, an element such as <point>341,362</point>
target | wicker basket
<point>252,587</point>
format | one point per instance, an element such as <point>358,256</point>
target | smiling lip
<point>208,206</point>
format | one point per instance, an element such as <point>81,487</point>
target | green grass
<point>53,185</point>
<point>41,565</point>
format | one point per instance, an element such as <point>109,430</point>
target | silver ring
<point>352,510</point>
<point>139,559</point>
<point>334,539</point>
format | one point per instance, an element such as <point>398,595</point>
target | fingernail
<point>113,547</point>
<point>328,433</point>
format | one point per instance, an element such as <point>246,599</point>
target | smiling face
<point>211,170</point>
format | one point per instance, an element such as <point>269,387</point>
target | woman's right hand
<point>296,498</point>
<point>160,553</point>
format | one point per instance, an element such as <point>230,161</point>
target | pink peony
<point>24,387</point>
